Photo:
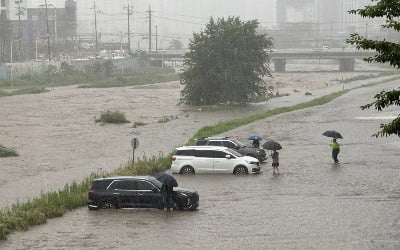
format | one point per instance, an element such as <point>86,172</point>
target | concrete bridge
<point>345,57</point>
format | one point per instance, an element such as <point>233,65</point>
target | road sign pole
<point>134,144</point>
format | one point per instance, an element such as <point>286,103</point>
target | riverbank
<point>58,140</point>
<point>345,206</point>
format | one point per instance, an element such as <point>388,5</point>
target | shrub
<point>164,119</point>
<point>7,152</point>
<point>138,124</point>
<point>112,116</point>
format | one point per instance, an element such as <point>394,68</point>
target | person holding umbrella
<point>275,161</point>
<point>256,140</point>
<point>256,143</point>
<point>167,189</point>
<point>335,146</point>
<point>274,146</point>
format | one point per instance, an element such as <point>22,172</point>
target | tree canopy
<point>387,52</point>
<point>226,62</point>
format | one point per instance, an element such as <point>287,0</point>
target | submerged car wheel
<point>107,204</point>
<point>187,170</point>
<point>187,204</point>
<point>240,170</point>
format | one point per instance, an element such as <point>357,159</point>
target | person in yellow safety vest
<point>335,150</point>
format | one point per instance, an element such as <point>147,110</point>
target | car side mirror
<point>228,156</point>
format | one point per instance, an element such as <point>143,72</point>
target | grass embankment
<point>7,152</point>
<point>229,125</point>
<point>25,90</point>
<point>53,204</point>
<point>370,76</point>
<point>37,83</point>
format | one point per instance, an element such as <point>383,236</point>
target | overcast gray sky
<point>174,18</point>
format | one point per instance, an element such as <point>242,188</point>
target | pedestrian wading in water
<point>256,143</point>
<point>335,150</point>
<point>275,162</point>
<point>168,200</point>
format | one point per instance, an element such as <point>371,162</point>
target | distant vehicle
<point>233,144</point>
<point>212,160</point>
<point>136,192</point>
<point>324,47</point>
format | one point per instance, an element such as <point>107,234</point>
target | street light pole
<point>11,62</point>
<point>36,46</point>
<point>156,39</point>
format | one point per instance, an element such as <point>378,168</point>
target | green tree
<point>387,52</point>
<point>226,63</point>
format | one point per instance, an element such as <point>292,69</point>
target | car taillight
<point>173,158</point>
<point>89,192</point>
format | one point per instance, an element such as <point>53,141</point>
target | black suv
<point>136,192</point>
<point>233,144</point>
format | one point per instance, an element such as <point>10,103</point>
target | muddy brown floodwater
<point>312,204</point>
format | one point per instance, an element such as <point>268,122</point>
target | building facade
<point>24,31</point>
<point>323,22</point>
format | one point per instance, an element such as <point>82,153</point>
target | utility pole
<point>19,29</point>
<point>149,29</point>
<point>129,8</point>
<point>20,11</point>
<point>48,33</point>
<point>95,25</point>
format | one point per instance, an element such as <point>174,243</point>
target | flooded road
<point>312,204</point>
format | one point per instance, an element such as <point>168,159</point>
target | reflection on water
<point>312,204</point>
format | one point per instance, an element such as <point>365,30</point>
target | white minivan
<point>212,160</point>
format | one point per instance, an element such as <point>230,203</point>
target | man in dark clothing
<point>168,200</point>
<point>256,143</point>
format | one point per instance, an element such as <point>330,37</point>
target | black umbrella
<point>272,145</point>
<point>166,179</point>
<point>333,134</point>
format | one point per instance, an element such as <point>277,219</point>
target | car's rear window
<point>205,153</point>
<point>185,152</point>
<point>100,184</point>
